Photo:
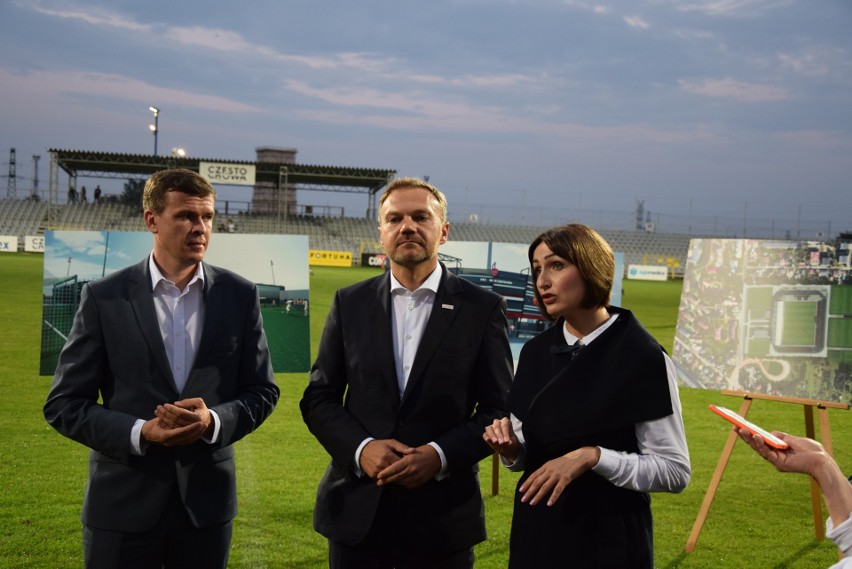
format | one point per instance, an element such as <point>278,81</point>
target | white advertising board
<point>647,272</point>
<point>8,244</point>
<point>34,244</point>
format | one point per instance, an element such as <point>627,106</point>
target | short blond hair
<point>406,183</point>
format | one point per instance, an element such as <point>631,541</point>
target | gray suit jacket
<point>115,352</point>
<point>458,384</point>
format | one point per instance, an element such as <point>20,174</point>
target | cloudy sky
<point>731,116</point>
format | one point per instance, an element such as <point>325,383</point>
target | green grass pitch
<point>759,518</point>
<point>799,324</point>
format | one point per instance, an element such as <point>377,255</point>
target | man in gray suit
<point>412,365</point>
<point>165,368</point>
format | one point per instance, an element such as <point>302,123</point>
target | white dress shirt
<point>411,310</point>
<point>180,314</point>
<point>662,464</point>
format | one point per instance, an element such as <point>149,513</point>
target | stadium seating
<point>22,217</point>
<point>357,235</point>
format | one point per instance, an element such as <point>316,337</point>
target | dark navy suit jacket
<point>115,352</point>
<point>458,384</point>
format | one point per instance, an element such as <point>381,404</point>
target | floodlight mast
<point>155,128</point>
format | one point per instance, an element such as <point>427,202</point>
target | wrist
<point>510,454</point>
<point>825,469</point>
<point>595,457</point>
<point>210,429</point>
<point>143,432</point>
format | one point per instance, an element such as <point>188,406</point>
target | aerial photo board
<point>769,317</point>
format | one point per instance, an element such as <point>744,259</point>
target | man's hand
<point>155,432</point>
<point>379,454</point>
<point>180,423</point>
<point>412,470</point>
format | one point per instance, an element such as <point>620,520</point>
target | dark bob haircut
<point>584,248</point>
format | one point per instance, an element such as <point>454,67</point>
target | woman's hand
<point>501,437</point>
<point>556,474</point>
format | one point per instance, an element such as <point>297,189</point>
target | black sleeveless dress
<point>569,399</point>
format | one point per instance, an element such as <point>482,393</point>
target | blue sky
<point>730,116</point>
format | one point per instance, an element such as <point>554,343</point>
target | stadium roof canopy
<point>112,165</point>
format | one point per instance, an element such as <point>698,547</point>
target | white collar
<point>431,282</point>
<point>157,275</point>
<point>571,338</point>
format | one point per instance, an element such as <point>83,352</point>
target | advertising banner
<point>228,174</point>
<point>8,244</point>
<point>373,259</point>
<point>647,272</point>
<point>34,244</point>
<point>320,258</point>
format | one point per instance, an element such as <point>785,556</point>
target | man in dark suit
<point>166,366</point>
<point>411,367</point>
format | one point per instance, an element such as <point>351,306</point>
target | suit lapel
<point>444,311</point>
<point>381,329</point>
<point>211,310</point>
<point>142,300</point>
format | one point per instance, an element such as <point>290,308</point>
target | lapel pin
<point>447,306</point>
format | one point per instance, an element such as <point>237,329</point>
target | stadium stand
<point>357,235</point>
<point>22,217</point>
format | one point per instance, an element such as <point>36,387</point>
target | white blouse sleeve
<point>841,535</point>
<point>662,464</point>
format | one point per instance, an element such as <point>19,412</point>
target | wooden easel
<point>825,431</point>
<point>495,474</point>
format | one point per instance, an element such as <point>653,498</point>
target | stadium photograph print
<point>412,365</point>
<point>595,421</point>
<point>166,366</point>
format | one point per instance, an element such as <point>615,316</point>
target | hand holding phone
<point>742,423</point>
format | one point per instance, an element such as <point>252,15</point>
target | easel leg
<point>495,475</point>
<point>714,482</point>
<point>816,497</point>
<point>825,430</point>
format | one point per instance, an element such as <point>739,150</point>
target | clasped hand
<point>389,461</point>
<point>178,424</point>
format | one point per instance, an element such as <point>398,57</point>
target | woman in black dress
<point>595,418</point>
